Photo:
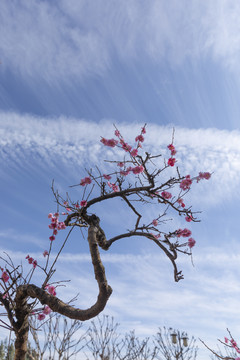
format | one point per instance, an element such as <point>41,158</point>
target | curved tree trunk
<point>21,327</point>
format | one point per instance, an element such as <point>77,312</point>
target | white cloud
<point>39,37</point>
<point>53,143</point>
<point>15,237</point>
<point>74,39</point>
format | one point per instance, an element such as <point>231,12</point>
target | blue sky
<point>68,72</point>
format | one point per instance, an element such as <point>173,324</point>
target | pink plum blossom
<point>111,142</point>
<point>186,183</point>
<point>124,172</point>
<point>188,218</point>
<point>52,238</point>
<point>45,253</point>
<point>5,296</point>
<point>41,316</point>
<point>155,222</point>
<point>83,203</point>
<point>203,175</point>
<point>171,147</point>
<point>46,310</point>
<point>107,177</point>
<point>191,242</point>
<point>87,180</point>
<point>139,138</point>
<point>29,259</point>
<point>5,276</point>
<point>180,201</point>
<point>138,169</point>
<point>113,186</point>
<point>171,161</point>
<point>125,146</point>
<point>134,152</point>
<point>51,289</point>
<point>184,233</point>
<point>143,130</point>
<point>61,225</point>
<point>166,195</point>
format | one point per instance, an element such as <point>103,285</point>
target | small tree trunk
<point>21,341</point>
<point>21,327</point>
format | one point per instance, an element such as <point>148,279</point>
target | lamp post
<point>179,340</point>
<point>185,339</point>
<point>174,337</point>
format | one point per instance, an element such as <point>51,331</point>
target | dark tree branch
<point>24,291</point>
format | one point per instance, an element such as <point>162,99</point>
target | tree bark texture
<point>56,305</point>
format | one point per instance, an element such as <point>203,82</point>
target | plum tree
<point>139,183</point>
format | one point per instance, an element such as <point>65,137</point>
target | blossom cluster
<point>110,142</point>
<point>186,233</point>
<point>179,233</point>
<point>181,202</point>
<point>166,195</point>
<point>86,181</point>
<point>114,187</point>
<point>45,253</point>
<point>234,345</point>
<point>31,261</point>
<point>55,225</point>
<point>123,144</point>
<point>172,160</point>
<point>51,289</point>
<point>4,276</point>
<point>83,203</point>
<point>203,175</point>
<point>136,170</point>
<point>46,311</point>
<point>186,183</point>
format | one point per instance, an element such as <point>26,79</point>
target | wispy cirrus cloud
<point>75,39</point>
<point>53,143</point>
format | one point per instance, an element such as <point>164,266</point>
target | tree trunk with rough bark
<point>21,327</point>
